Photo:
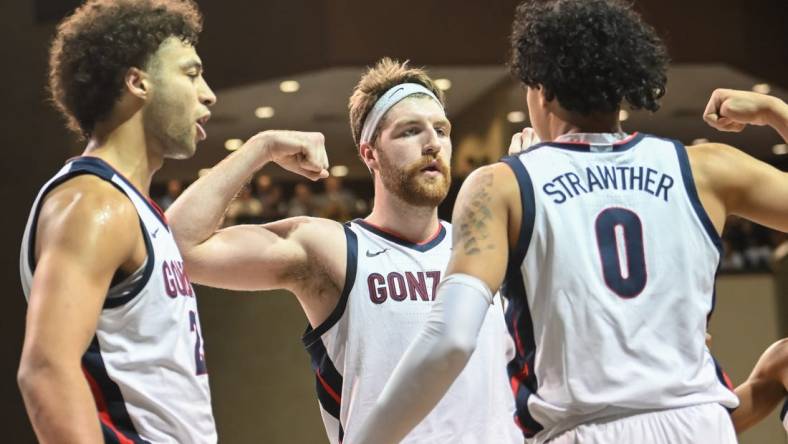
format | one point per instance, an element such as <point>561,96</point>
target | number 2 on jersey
<point>619,232</point>
<point>199,356</point>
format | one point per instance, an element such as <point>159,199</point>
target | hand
<point>523,140</point>
<point>732,110</point>
<point>300,152</point>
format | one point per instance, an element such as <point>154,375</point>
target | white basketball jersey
<point>145,365</point>
<point>783,416</point>
<point>389,291</point>
<point>611,284</point>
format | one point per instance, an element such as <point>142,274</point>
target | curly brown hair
<point>377,80</point>
<point>100,41</point>
<point>590,54</point>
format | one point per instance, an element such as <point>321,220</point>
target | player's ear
<point>369,156</point>
<point>136,82</point>
<point>542,96</point>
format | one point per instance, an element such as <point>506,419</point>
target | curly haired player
<point>112,321</point>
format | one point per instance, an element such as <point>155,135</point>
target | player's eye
<point>412,131</point>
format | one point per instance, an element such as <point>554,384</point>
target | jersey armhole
<point>150,261</point>
<point>150,256</point>
<point>692,194</point>
<point>313,334</point>
<point>528,202</point>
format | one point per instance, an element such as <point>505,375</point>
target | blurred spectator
<point>747,246</point>
<point>271,199</point>
<point>302,202</point>
<point>244,209</point>
<point>174,189</point>
<point>759,246</point>
<point>336,203</point>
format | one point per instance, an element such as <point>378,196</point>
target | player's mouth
<point>200,124</point>
<point>433,168</point>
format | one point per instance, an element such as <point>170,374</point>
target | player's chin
<point>431,194</point>
<point>182,150</point>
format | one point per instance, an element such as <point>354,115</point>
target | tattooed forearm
<point>475,214</point>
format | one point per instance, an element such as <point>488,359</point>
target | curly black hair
<point>590,54</point>
<point>100,41</point>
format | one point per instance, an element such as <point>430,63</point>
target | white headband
<point>386,101</point>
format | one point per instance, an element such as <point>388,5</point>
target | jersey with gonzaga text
<point>389,291</point>
<point>145,364</point>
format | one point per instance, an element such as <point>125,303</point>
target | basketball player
<point>605,243</point>
<point>112,322</point>
<point>367,286</point>
<point>731,110</point>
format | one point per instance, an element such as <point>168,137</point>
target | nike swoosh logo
<point>155,232</point>
<point>371,254</point>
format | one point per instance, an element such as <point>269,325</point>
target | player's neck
<point>563,122</point>
<point>125,146</point>
<point>412,223</point>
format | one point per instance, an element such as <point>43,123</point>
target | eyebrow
<point>192,64</point>
<point>444,122</point>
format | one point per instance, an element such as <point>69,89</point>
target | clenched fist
<point>300,152</point>
<point>523,140</point>
<point>732,110</point>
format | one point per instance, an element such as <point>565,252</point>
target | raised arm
<point>86,231</point>
<point>732,110</point>
<point>730,181</point>
<point>249,257</point>
<point>487,207</point>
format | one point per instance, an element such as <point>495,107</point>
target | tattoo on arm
<point>474,232</point>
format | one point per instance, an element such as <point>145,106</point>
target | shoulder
<point>718,165</point>
<point>90,200</point>
<point>495,181</point>
<point>87,211</point>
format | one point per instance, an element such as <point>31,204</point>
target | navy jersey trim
<point>692,192</point>
<point>521,369</point>
<point>528,201</point>
<point>311,335</point>
<point>784,411</point>
<point>78,169</point>
<point>108,397</point>
<point>328,381</point>
<point>723,378</point>
<point>98,164</point>
<point>522,375</point>
<point>405,243</point>
<point>581,147</point>
<point>149,266</point>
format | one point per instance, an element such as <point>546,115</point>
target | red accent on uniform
<point>625,140</point>
<point>517,341</point>
<point>727,380</point>
<point>103,412</point>
<point>515,383</point>
<point>158,210</point>
<point>522,427</point>
<point>330,391</point>
<point>399,236</point>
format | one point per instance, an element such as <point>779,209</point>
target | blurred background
<point>292,65</point>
